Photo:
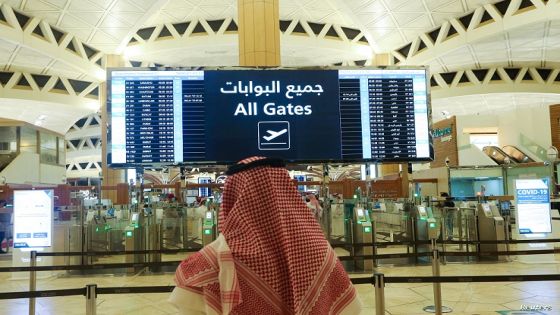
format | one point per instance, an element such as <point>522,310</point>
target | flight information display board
<point>221,116</point>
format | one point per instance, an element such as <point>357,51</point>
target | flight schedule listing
<point>393,133</point>
<point>181,116</point>
<point>149,121</point>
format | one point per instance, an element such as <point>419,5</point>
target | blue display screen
<point>222,116</point>
<point>204,191</point>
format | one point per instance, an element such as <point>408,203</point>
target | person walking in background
<point>315,206</point>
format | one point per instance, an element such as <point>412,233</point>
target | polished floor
<point>403,299</point>
<point>464,298</point>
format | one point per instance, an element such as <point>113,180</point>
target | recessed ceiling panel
<point>452,7</point>
<point>69,21</point>
<point>57,3</point>
<point>491,103</point>
<point>36,5</point>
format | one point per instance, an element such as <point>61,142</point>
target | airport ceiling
<point>485,56</point>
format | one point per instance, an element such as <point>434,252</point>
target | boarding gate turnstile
<point>363,233</point>
<point>152,232</point>
<point>135,239</point>
<point>423,223</point>
<point>491,227</point>
<point>192,223</point>
<point>209,230</point>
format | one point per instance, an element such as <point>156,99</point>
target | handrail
<point>120,252</point>
<point>90,267</point>
<point>91,291</point>
<point>378,280</point>
<point>357,280</point>
<point>341,258</point>
<point>41,294</point>
<point>376,244</point>
<point>463,279</point>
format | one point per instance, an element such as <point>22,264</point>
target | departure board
<point>149,121</point>
<point>175,116</point>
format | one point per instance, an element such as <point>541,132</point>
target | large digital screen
<point>533,206</point>
<point>33,216</point>
<point>175,116</point>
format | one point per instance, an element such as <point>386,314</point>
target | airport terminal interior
<point>422,135</point>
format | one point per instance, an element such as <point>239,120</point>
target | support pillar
<point>111,177</point>
<point>259,33</point>
<point>382,60</point>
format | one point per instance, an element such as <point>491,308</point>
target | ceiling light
<point>131,51</point>
<point>100,74</point>
<point>216,52</point>
<point>40,120</point>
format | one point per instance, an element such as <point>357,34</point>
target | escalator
<point>6,159</point>
<point>498,155</point>
<point>507,155</point>
<point>517,155</point>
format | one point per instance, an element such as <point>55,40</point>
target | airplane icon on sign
<point>274,134</point>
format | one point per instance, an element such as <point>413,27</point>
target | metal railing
<point>378,280</point>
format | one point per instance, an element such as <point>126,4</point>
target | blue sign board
<point>174,116</point>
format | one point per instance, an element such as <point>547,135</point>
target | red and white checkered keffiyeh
<point>275,259</point>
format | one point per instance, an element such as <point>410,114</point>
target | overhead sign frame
<point>274,140</point>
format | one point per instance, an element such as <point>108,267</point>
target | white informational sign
<point>33,217</point>
<point>533,206</point>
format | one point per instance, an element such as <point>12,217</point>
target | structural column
<point>382,60</point>
<point>111,177</point>
<point>259,33</point>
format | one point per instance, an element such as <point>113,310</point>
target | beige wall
<point>26,169</point>
<point>440,174</point>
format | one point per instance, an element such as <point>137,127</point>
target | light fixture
<point>552,153</point>
<point>100,74</point>
<point>40,120</point>
<point>131,52</point>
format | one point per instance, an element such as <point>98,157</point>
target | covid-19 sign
<point>533,206</point>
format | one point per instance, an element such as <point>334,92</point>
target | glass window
<point>8,140</point>
<point>483,140</point>
<point>28,140</point>
<point>61,151</point>
<point>48,148</point>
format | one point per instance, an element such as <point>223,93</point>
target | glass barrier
<point>532,147</point>
<point>8,140</point>
<point>524,173</point>
<point>48,148</point>
<point>471,182</point>
<point>61,151</point>
<point>28,140</point>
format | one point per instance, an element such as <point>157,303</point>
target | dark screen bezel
<point>299,161</point>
